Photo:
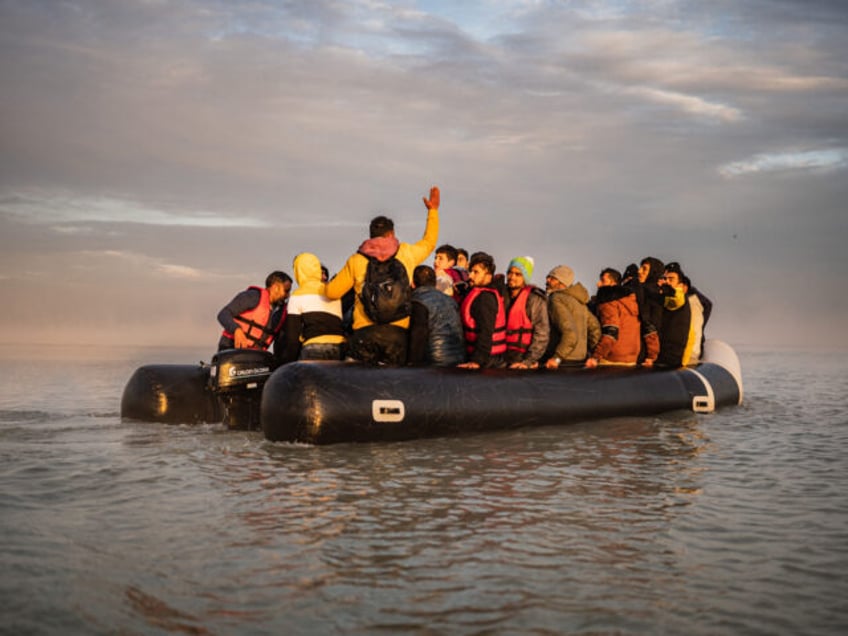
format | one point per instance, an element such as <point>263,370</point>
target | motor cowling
<point>237,376</point>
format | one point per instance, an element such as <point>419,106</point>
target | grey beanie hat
<point>563,273</point>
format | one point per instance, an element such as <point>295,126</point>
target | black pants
<point>379,344</point>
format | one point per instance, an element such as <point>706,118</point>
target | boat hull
<point>332,402</point>
<point>170,393</point>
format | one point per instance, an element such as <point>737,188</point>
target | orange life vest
<point>519,329</point>
<point>256,322</point>
<point>470,325</point>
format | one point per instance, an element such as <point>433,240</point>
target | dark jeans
<point>379,344</point>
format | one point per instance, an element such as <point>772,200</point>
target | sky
<point>158,156</point>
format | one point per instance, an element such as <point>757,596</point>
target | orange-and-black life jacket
<point>256,322</point>
<point>470,325</point>
<point>519,329</point>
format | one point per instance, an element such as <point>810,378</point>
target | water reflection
<point>728,523</point>
<point>161,615</point>
<point>469,531</point>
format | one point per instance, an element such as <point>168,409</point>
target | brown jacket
<point>618,312</point>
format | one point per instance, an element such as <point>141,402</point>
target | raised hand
<point>433,202</point>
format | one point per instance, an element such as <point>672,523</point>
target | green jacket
<point>574,329</point>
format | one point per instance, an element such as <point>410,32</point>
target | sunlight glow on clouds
<point>780,162</point>
<point>142,261</point>
<point>57,209</point>
<point>180,271</point>
<point>169,143</point>
<point>690,104</point>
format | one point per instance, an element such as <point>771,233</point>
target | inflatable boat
<point>331,402</point>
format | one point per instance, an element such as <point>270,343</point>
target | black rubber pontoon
<point>331,402</point>
<point>229,390</point>
<point>170,393</point>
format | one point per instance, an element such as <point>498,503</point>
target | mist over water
<point>735,522</point>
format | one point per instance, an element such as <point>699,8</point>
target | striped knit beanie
<point>525,264</point>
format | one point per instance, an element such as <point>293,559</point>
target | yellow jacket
<point>352,275</point>
<point>310,306</point>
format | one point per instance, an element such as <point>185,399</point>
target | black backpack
<point>386,295</point>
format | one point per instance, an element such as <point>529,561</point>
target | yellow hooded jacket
<point>309,298</point>
<point>352,275</point>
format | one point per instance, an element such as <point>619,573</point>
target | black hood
<point>657,269</point>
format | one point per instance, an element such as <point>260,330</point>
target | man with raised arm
<point>377,339</point>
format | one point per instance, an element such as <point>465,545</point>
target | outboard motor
<point>237,376</point>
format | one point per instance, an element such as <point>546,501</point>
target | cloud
<point>142,263</point>
<point>57,208</point>
<point>805,161</point>
<point>690,104</point>
<point>191,146</point>
<point>180,271</point>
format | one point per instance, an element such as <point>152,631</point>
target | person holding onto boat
<point>574,329</point>
<point>483,316</point>
<point>618,314</point>
<point>254,317</point>
<point>435,328</point>
<point>380,336</point>
<point>527,327</point>
<point>313,322</point>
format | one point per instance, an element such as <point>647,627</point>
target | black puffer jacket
<point>445,342</point>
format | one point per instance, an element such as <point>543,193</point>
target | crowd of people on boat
<point>385,306</point>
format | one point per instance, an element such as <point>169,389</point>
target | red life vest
<point>470,325</point>
<point>256,322</point>
<point>519,329</point>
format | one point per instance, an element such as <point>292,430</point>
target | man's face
<point>606,280</point>
<point>672,278</point>
<point>552,284</point>
<point>462,261</point>
<point>514,278</point>
<point>479,276</point>
<point>279,292</point>
<point>644,271</point>
<point>441,262</point>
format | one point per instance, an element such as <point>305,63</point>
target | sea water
<point>728,523</point>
